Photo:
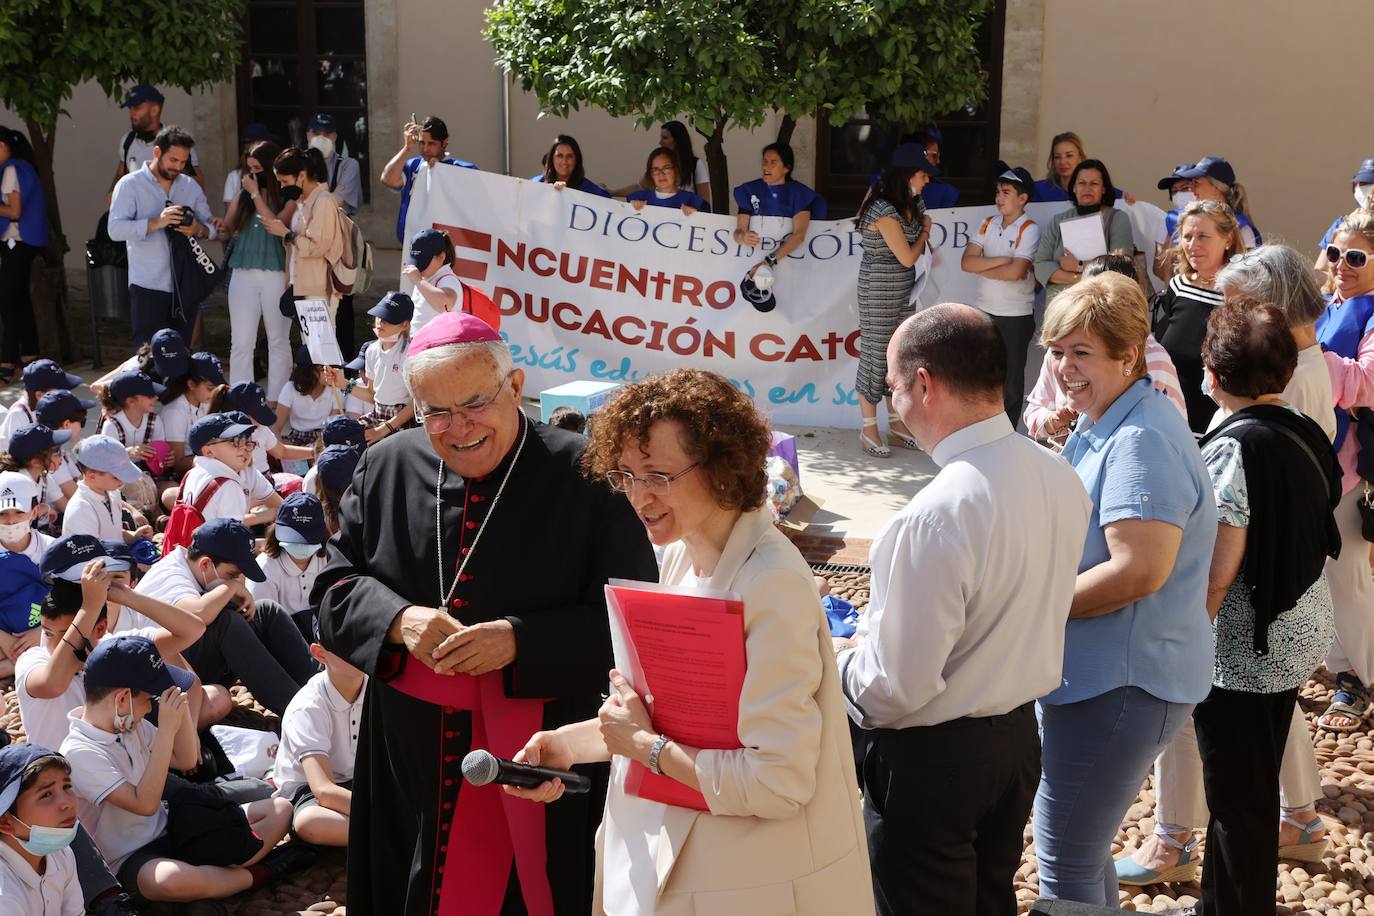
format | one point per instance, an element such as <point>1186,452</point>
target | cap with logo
<point>334,467</point>
<point>46,374</point>
<point>17,491</point>
<point>1015,175</point>
<point>451,328</point>
<point>132,383</point>
<point>170,356</point>
<point>300,520</point>
<point>58,406</point>
<point>1176,175</point>
<point>134,662</point>
<point>213,428</point>
<point>912,156</point>
<point>66,557</point>
<point>252,400</point>
<point>142,93</point>
<point>425,246</point>
<point>206,367</point>
<point>226,540</point>
<point>106,453</point>
<point>27,441</point>
<point>1214,167</point>
<point>342,429</point>
<point>322,123</point>
<point>17,761</point>
<point>393,308</point>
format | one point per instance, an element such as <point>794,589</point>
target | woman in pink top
<point>1047,414</point>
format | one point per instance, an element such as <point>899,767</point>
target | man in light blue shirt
<point>156,197</point>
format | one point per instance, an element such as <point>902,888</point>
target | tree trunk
<point>50,292</point>
<point>785,129</point>
<point>719,168</point>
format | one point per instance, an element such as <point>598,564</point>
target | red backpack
<point>187,517</point>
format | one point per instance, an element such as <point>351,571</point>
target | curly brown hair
<point>723,432</point>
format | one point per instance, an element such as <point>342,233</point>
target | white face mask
<point>324,145</point>
<point>389,339</point>
<point>13,534</point>
<point>1362,195</point>
<point>301,551</point>
<point>1182,199</point>
<point>124,723</point>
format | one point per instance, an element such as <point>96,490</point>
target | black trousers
<point>1241,737</point>
<point>945,807</point>
<point>1016,334</point>
<point>151,310</point>
<point>16,303</point>
<point>268,654</point>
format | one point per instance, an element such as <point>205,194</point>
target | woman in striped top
<point>1048,415</point>
<point>1208,235</point>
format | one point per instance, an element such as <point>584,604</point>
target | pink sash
<point>488,827</point>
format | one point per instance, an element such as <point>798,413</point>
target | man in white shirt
<point>97,506</point>
<point>964,630</point>
<point>222,444</point>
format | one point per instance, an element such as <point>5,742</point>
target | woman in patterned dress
<point>1276,482</point>
<point>896,231</point>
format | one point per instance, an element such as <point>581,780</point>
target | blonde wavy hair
<point>1223,217</point>
<point>1067,136</point>
<point>1358,222</point>
<point>1110,307</point>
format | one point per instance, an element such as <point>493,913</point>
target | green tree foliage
<point>49,47</point>
<point>719,64</point>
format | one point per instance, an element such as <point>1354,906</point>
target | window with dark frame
<point>303,57</point>
<point>848,155</point>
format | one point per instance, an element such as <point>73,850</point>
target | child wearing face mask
<point>37,826</point>
<point>381,383</point>
<point>292,559</point>
<point>21,586</point>
<point>1180,195</point>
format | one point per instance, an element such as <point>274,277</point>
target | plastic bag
<point>252,752</point>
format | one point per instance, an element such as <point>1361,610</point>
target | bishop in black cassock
<point>539,541</point>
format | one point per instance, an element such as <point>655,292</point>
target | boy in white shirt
<point>319,744</point>
<point>222,444</point>
<point>293,558</point>
<point>1002,254</point>
<point>381,382</point>
<point>38,824</point>
<point>97,507</point>
<point>120,764</point>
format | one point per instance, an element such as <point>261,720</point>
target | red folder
<point>683,652</point>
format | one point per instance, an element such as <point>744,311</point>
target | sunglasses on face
<point>1355,257</point>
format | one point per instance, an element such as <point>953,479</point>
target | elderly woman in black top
<point>1276,482</point>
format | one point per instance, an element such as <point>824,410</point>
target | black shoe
<point>114,905</point>
<point>289,858</point>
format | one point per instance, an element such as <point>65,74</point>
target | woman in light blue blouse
<point>1138,643</point>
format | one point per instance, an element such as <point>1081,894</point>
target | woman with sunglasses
<point>1208,235</point>
<point>1346,335</point>
<point>687,449</point>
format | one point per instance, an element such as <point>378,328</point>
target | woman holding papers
<point>783,830</point>
<point>1057,264</point>
<point>1208,235</point>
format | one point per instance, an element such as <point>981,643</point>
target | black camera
<point>188,216</point>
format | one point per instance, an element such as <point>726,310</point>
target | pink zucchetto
<point>451,328</point>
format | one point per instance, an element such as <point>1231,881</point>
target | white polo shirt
<point>232,499</point>
<point>18,416</point>
<point>383,371</point>
<point>169,580</point>
<point>318,720</point>
<point>101,762</point>
<point>287,584</point>
<point>1008,298</point>
<point>174,420</point>
<point>24,892</point>
<point>90,513</point>
<point>120,429</point>
<point>263,439</point>
<point>45,720</point>
<point>304,412</point>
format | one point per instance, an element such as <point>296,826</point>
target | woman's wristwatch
<point>770,260</point>
<point>290,235</point>
<point>657,751</point>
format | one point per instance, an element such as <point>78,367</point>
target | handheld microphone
<point>482,767</point>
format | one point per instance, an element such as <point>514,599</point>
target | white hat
<point>17,491</point>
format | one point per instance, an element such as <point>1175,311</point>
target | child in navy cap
<point>429,268</point>
<point>381,383</point>
<point>250,399</point>
<point>40,377</point>
<point>130,403</point>
<point>223,483</point>
<point>333,474</point>
<point>292,558</point>
<point>62,411</point>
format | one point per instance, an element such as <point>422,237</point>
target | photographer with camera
<point>156,197</point>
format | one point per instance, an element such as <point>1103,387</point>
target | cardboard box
<point>785,447</point>
<point>586,396</point>
<point>800,516</point>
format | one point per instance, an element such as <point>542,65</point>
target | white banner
<point>590,288</point>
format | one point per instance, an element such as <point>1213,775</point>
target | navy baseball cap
<point>131,383</point>
<point>207,367</point>
<point>255,132</point>
<point>118,550</point>
<point>335,465</point>
<point>252,400</point>
<point>322,124</point>
<point>170,356</point>
<point>144,551</point>
<point>393,308</point>
<point>108,454</point>
<point>342,429</point>
<point>66,557</point>
<point>1177,175</point>
<point>142,93</point>
<point>760,297</point>
<point>912,156</point>
<point>1211,167</point>
<point>359,362</point>
<point>214,427</point>
<point>1365,174</point>
<point>425,245</point>
<point>58,406</point>
<point>134,662</point>
<point>18,761</point>
<point>300,520</point>
<point>1015,175</point>
<point>46,374</point>
<point>28,441</point>
<point>226,540</point>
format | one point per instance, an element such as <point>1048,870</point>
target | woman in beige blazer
<point>313,240</point>
<point>784,833</point>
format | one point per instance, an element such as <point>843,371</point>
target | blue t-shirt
<point>759,198</point>
<point>1140,461</point>
<point>409,169</point>
<point>1330,233</point>
<point>1046,190</point>
<point>940,196</point>
<point>588,186</point>
<point>1339,330</point>
<point>681,198</point>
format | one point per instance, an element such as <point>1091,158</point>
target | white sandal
<point>904,440</point>
<point>874,449</point>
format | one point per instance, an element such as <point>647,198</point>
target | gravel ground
<point>1342,884</point>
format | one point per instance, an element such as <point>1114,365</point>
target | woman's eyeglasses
<point>654,484</point>
<point>1355,257</point>
<point>662,170</point>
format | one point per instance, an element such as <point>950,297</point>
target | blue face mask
<point>1207,385</point>
<point>44,841</point>
<point>301,551</point>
